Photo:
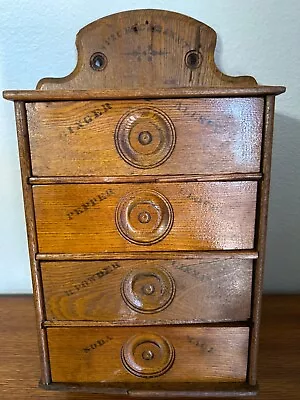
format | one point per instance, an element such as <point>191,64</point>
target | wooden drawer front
<point>167,354</point>
<point>157,137</point>
<point>87,218</point>
<point>148,291</point>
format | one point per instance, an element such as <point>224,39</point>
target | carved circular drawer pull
<point>147,355</point>
<point>145,137</point>
<point>148,290</point>
<point>144,217</point>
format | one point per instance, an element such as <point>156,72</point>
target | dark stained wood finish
<point>220,214</point>
<point>145,49</point>
<point>163,390</point>
<point>74,139</point>
<point>205,291</point>
<point>202,354</point>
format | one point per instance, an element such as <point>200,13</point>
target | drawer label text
<point>90,117</point>
<point>90,280</point>
<point>97,344</point>
<point>195,115</point>
<point>200,344</point>
<point>203,203</point>
<point>191,270</point>
<point>194,270</point>
<point>90,203</point>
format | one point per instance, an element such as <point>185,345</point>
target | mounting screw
<point>98,61</point>
<point>193,59</point>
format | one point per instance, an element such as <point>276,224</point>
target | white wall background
<point>259,38</point>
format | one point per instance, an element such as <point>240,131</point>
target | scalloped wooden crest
<point>145,49</point>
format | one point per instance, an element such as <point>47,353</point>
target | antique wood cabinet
<point>146,178</point>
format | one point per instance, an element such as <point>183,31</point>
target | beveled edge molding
<point>161,390</point>
<point>151,255</point>
<point>154,322</point>
<point>109,94</point>
<point>47,180</point>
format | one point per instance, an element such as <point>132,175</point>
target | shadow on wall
<point>282,273</point>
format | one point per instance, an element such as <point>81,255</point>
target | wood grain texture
<point>213,136</point>
<point>147,164</point>
<point>278,363</point>
<point>25,165</point>
<point>151,255</point>
<point>146,48</point>
<point>261,232</point>
<point>205,291</point>
<point>202,354</point>
<point>207,216</point>
<point>150,93</point>
<point>48,180</point>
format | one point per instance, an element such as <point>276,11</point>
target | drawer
<point>165,354</point>
<point>157,137</point>
<point>148,291</point>
<point>92,218</point>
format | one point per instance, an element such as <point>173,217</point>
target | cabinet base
<point>170,390</point>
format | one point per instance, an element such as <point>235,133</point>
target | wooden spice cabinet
<point>146,177</point>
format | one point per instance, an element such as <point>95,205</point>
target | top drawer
<point>157,137</point>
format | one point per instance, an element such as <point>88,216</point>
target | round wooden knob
<point>148,290</point>
<point>144,217</point>
<point>147,355</point>
<point>145,137</point>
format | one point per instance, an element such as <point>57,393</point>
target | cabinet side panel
<point>25,164</point>
<point>262,214</point>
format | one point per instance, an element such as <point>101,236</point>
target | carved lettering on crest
<point>145,27</point>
